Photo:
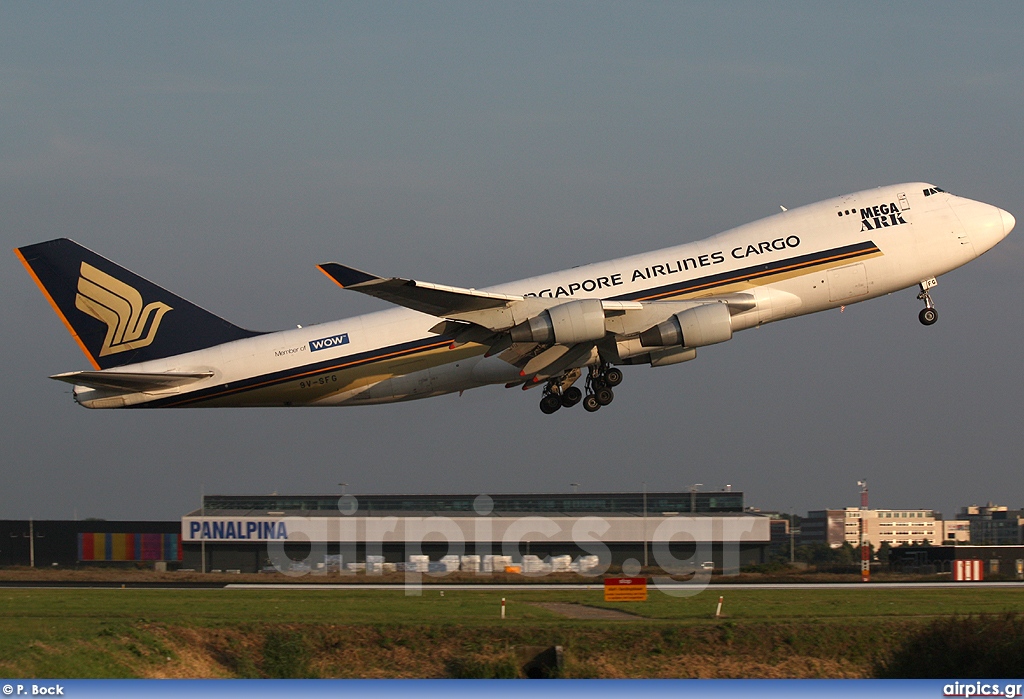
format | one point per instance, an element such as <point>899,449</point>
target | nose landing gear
<point>928,314</point>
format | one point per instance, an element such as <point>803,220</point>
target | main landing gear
<point>552,401</point>
<point>560,393</point>
<point>928,314</point>
<point>600,382</point>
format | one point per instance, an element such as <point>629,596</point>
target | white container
<point>585,564</point>
<point>533,565</point>
<point>560,564</point>
<point>496,564</point>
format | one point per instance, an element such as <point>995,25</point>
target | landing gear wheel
<point>613,377</point>
<point>550,403</point>
<point>571,396</point>
<point>590,403</point>
<point>928,316</point>
<point>604,396</point>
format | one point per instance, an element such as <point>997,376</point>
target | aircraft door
<point>847,282</point>
<point>416,384</point>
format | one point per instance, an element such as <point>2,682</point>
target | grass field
<point>369,633</point>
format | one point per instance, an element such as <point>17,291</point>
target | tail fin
<point>116,316</point>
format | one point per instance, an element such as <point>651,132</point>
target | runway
<point>522,587</point>
<point>651,583</point>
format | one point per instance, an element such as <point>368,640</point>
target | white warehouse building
<point>545,532</point>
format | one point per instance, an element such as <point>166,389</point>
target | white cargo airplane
<point>152,349</point>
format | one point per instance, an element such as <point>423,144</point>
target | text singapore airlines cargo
<point>152,349</point>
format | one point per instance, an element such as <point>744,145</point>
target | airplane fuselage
<point>808,259</point>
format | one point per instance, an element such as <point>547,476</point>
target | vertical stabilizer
<point>116,316</point>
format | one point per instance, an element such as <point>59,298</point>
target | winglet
<point>346,276</point>
<point>433,299</point>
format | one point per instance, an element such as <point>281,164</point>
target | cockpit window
<point>932,190</point>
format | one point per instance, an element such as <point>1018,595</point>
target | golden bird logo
<point>119,306</point>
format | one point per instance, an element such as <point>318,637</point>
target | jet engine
<point>566,324</point>
<point>694,327</point>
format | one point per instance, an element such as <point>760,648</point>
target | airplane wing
<point>487,318</point>
<point>468,304</point>
<point>433,299</point>
<point>491,312</point>
<point>130,382</point>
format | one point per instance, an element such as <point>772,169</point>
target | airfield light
<point>865,554</point>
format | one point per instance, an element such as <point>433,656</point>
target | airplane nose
<point>983,223</point>
<point>1008,221</point>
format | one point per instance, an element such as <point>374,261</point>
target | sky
<point>222,150</point>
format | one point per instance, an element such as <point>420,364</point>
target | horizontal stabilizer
<point>433,299</point>
<point>130,382</point>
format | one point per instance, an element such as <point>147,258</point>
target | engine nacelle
<point>567,324</point>
<point>694,327</point>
